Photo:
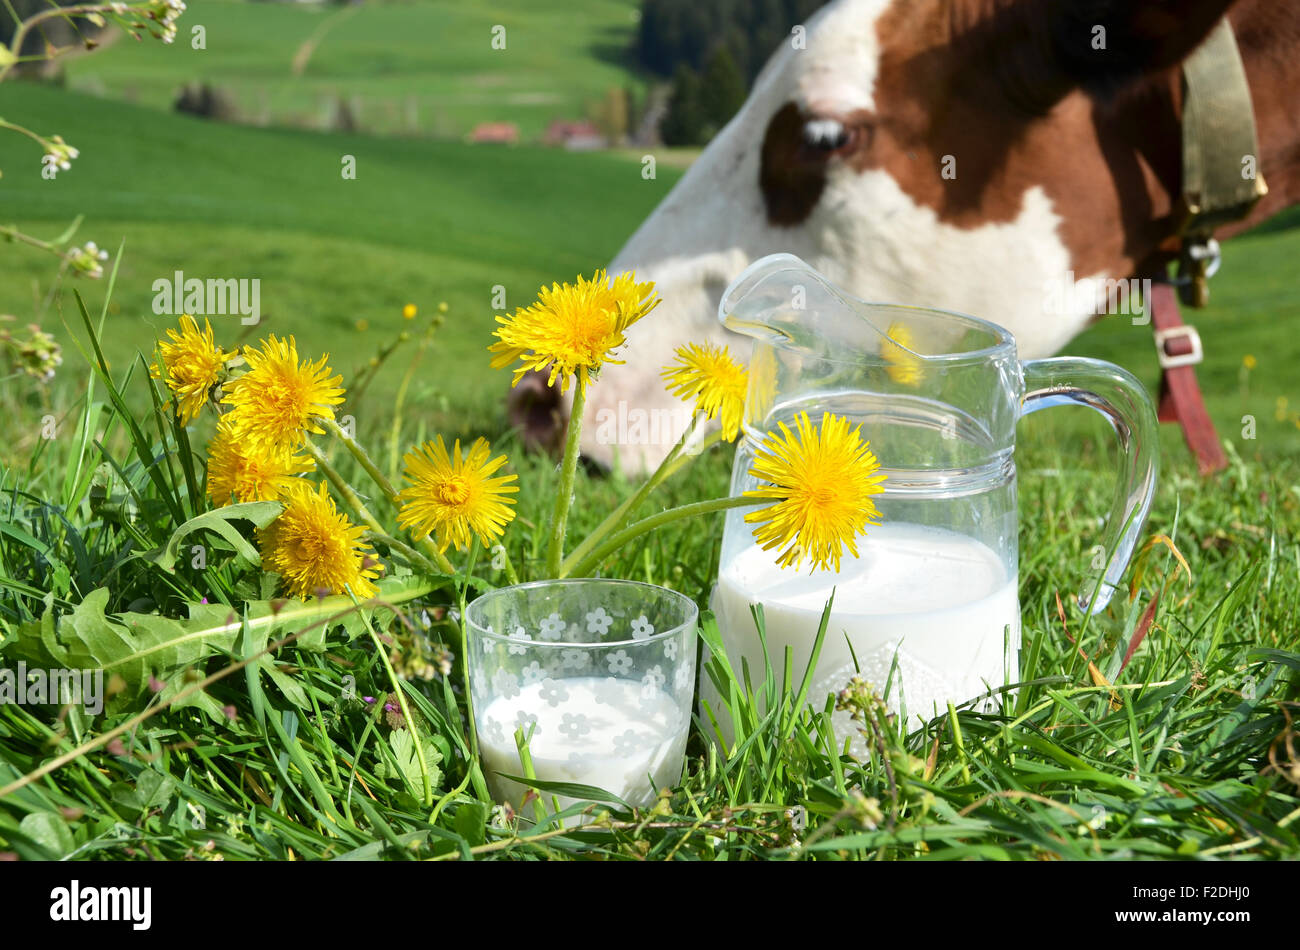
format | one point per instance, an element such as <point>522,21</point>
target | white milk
<point>615,734</point>
<point>937,598</point>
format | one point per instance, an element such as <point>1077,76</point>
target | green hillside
<point>422,222</point>
<point>429,221</point>
<point>425,67</point>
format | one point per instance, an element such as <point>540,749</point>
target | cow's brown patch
<point>1010,96</point>
<point>790,178</point>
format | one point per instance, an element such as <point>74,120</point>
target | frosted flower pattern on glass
<point>532,673</point>
<point>519,649</point>
<point>553,691</point>
<point>575,659</point>
<point>505,683</point>
<point>598,621</point>
<point>619,662</point>
<point>682,677</point>
<point>552,627</point>
<point>608,691</point>
<point>575,725</point>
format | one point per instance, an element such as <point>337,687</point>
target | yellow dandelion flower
<point>821,481</point>
<point>315,548</point>
<point>191,365</point>
<point>409,311</point>
<point>237,470</point>
<point>454,496</point>
<point>896,350</point>
<point>1249,361</point>
<point>714,380</point>
<point>278,400</point>
<point>573,329</point>
<point>442,306</point>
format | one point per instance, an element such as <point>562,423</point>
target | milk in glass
<point>621,735</point>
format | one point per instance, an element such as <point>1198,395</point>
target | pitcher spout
<point>782,301</point>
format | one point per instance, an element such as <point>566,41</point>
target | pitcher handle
<point>1123,401</point>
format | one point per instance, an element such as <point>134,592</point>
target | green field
<point>422,68</point>
<point>422,222</point>
<point>1177,742</point>
<point>428,221</point>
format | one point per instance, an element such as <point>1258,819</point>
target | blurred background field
<point>431,217</point>
<point>434,217</point>
<point>401,68</point>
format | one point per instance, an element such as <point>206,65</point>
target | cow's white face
<point>880,151</point>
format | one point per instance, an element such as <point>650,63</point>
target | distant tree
<point>671,32</point>
<point>685,123</point>
<point>713,49</point>
<point>722,90</point>
<point>635,108</point>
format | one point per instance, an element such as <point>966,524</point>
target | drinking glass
<point>597,673</point>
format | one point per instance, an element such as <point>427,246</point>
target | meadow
<point>427,222</point>
<point>1160,728</point>
<point>423,222</point>
<point>425,68</point>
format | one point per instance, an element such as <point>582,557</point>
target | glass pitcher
<point>930,605</point>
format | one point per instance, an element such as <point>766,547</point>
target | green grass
<point>422,222</point>
<point>1184,751</point>
<point>1193,756</point>
<point>431,221</point>
<point>425,68</point>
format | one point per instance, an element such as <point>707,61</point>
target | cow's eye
<point>825,135</point>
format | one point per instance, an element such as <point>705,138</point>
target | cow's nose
<point>538,411</point>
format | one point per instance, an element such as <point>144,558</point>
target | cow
<point>957,154</point>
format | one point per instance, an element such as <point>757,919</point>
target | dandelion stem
<point>619,514</point>
<point>710,440</point>
<point>363,459</point>
<point>343,488</point>
<point>441,559</point>
<point>638,528</point>
<point>415,557</point>
<point>568,468</point>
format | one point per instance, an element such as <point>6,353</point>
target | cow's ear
<point>1105,44</point>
